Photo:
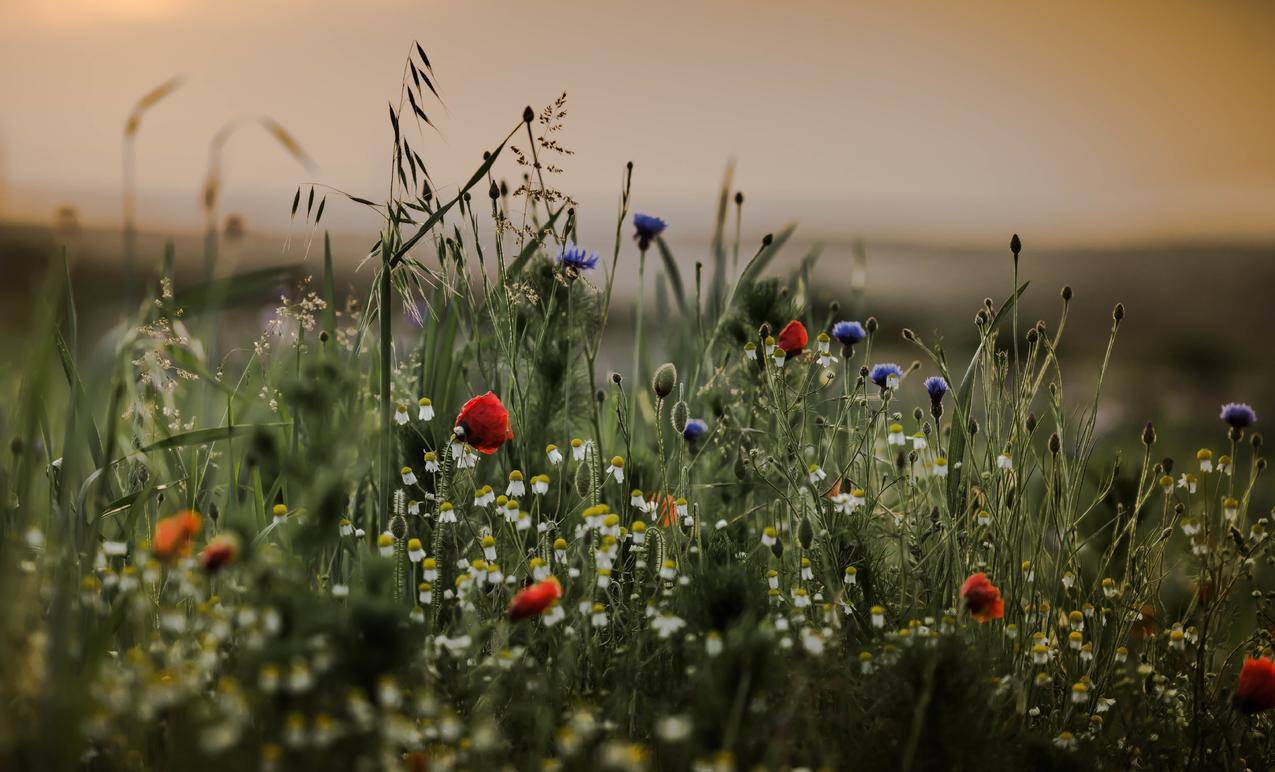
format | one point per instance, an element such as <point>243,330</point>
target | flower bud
<point>680,415</point>
<point>805,533</point>
<point>664,380</point>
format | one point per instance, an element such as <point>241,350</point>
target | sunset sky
<point>1080,122</point>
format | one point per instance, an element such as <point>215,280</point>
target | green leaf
<point>674,275</point>
<point>204,436</point>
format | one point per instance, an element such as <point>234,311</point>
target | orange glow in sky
<point>1087,121</point>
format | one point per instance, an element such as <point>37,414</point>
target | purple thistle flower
<point>886,375</point>
<point>648,227</point>
<point>936,387</point>
<point>848,333</point>
<point>1238,415</point>
<point>578,257</point>
<point>695,428</point>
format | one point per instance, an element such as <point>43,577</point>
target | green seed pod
<point>680,415</point>
<point>805,533</point>
<point>664,380</point>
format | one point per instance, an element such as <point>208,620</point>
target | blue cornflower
<point>695,428</point>
<point>848,333</point>
<point>648,227</point>
<point>578,257</point>
<point>1238,415</point>
<point>936,387</point>
<point>886,375</point>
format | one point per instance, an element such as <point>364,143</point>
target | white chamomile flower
<point>895,436</point>
<point>516,485</point>
<point>425,410</point>
<point>616,469</point>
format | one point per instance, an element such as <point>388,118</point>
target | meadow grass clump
<point>355,542</point>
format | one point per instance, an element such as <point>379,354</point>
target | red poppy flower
<point>173,534</point>
<point>484,423</point>
<point>982,598</point>
<point>531,601</point>
<point>219,553</point>
<point>1256,690</point>
<point>792,339</point>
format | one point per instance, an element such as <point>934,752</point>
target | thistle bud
<point>871,325</point>
<point>664,380</point>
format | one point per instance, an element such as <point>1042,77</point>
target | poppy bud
<point>1118,313</point>
<point>871,325</point>
<point>528,115</point>
<point>680,415</point>
<point>1015,245</point>
<point>1031,422</point>
<point>1148,434</point>
<point>1066,293</point>
<point>1055,443</point>
<point>777,549</point>
<point>805,533</point>
<point>664,380</point>
<point>767,239</point>
<point>739,197</point>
